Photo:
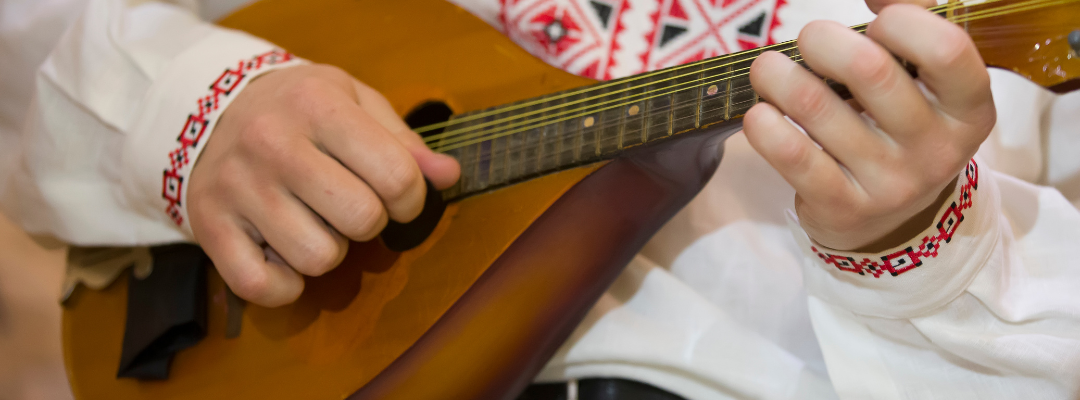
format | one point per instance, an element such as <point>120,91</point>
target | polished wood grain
<point>350,324</point>
<point>409,50</point>
<point>1032,43</point>
<point>478,308</point>
<point>347,327</point>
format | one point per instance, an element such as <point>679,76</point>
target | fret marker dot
<point>589,122</point>
<point>633,110</point>
<point>712,90</point>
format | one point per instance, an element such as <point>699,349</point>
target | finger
<point>245,267</point>
<point>307,244</point>
<point>371,152</point>
<point>814,174</point>
<point>875,79</point>
<point>335,193</point>
<point>811,104</point>
<point>947,60</point>
<point>441,169</point>
<point>877,5</point>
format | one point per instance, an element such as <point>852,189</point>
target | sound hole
<point>431,112</point>
<point>403,236</point>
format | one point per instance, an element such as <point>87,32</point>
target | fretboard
<point>518,141</point>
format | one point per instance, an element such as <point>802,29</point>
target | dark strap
<point>166,311</point>
<point>598,389</point>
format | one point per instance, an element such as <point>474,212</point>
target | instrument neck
<point>518,141</point>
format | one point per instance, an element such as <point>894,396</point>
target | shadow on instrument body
<point>475,310</point>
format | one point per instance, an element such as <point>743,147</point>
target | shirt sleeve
<point>121,109</point>
<point>981,305</point>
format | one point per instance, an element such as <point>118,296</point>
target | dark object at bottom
<point>598,389</point>
<point>166,312</point>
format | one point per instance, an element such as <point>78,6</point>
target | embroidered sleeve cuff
<point>920,275</point>
<point>181,111</point>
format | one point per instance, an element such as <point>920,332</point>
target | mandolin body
<point>473,312</point>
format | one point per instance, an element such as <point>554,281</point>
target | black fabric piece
<point>400,237</point>
<point>166,312</point>
<point>599,389</point>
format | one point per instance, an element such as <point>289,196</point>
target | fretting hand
<point>304,158</point>
<point>867,187</point>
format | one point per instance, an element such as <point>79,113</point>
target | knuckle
<point>875,69</point>
<point>232,177</point>
<point>401,181</point>
<point>261,138</point>
<point>307,90</point>
<point>952,50</point>
<point>253,286</point>
<point>810,32</point>
<point>793,153</point>
<point>810,101</point>
<point>362,220</point>
<point>331,72</point>
<point>319,256</point>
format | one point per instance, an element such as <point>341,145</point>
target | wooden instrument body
<point>476,310</point>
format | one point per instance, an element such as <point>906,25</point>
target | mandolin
<point>563,180</point>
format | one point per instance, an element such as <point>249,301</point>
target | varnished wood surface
<point>346,328</point>
<point>506,327</point>
<point>351,323</point>
<point>1031,43</point>
<point>410,50</point>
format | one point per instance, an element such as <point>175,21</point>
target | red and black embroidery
<point>913,256</point>
<point>605,39</point>
<point>194,130</point>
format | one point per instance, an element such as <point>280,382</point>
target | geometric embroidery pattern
<point>913,256</point>
<point>194,130</point>
<point>606,39</point>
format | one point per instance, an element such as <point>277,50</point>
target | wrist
<point>911,227</point>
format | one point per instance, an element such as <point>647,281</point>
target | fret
<point>684,110</point>
<point>515,159</point>
<point>633,115</point>
<point>727,93</point>
<point>571,143</point>
<point>585,128</point>
<point>501,148</point>
<point>530,154</point>
<point>741,94</point>
<point>500,153</point>
<point>658,108</point>
<point>457,188</point>
<point>714,91</point>
<point>488,154</point>
<point>622,114</point>
<point>469,158</point>
<point>566,142</point>
<point>610,120</point>
<point>549,147</point>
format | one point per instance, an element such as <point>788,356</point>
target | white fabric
<point>88,125</point>
<point>715,307</point>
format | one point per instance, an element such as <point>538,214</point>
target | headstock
<point>1038,39</point>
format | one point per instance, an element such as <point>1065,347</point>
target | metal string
<point>528,103</point>
<point>455,139</point>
